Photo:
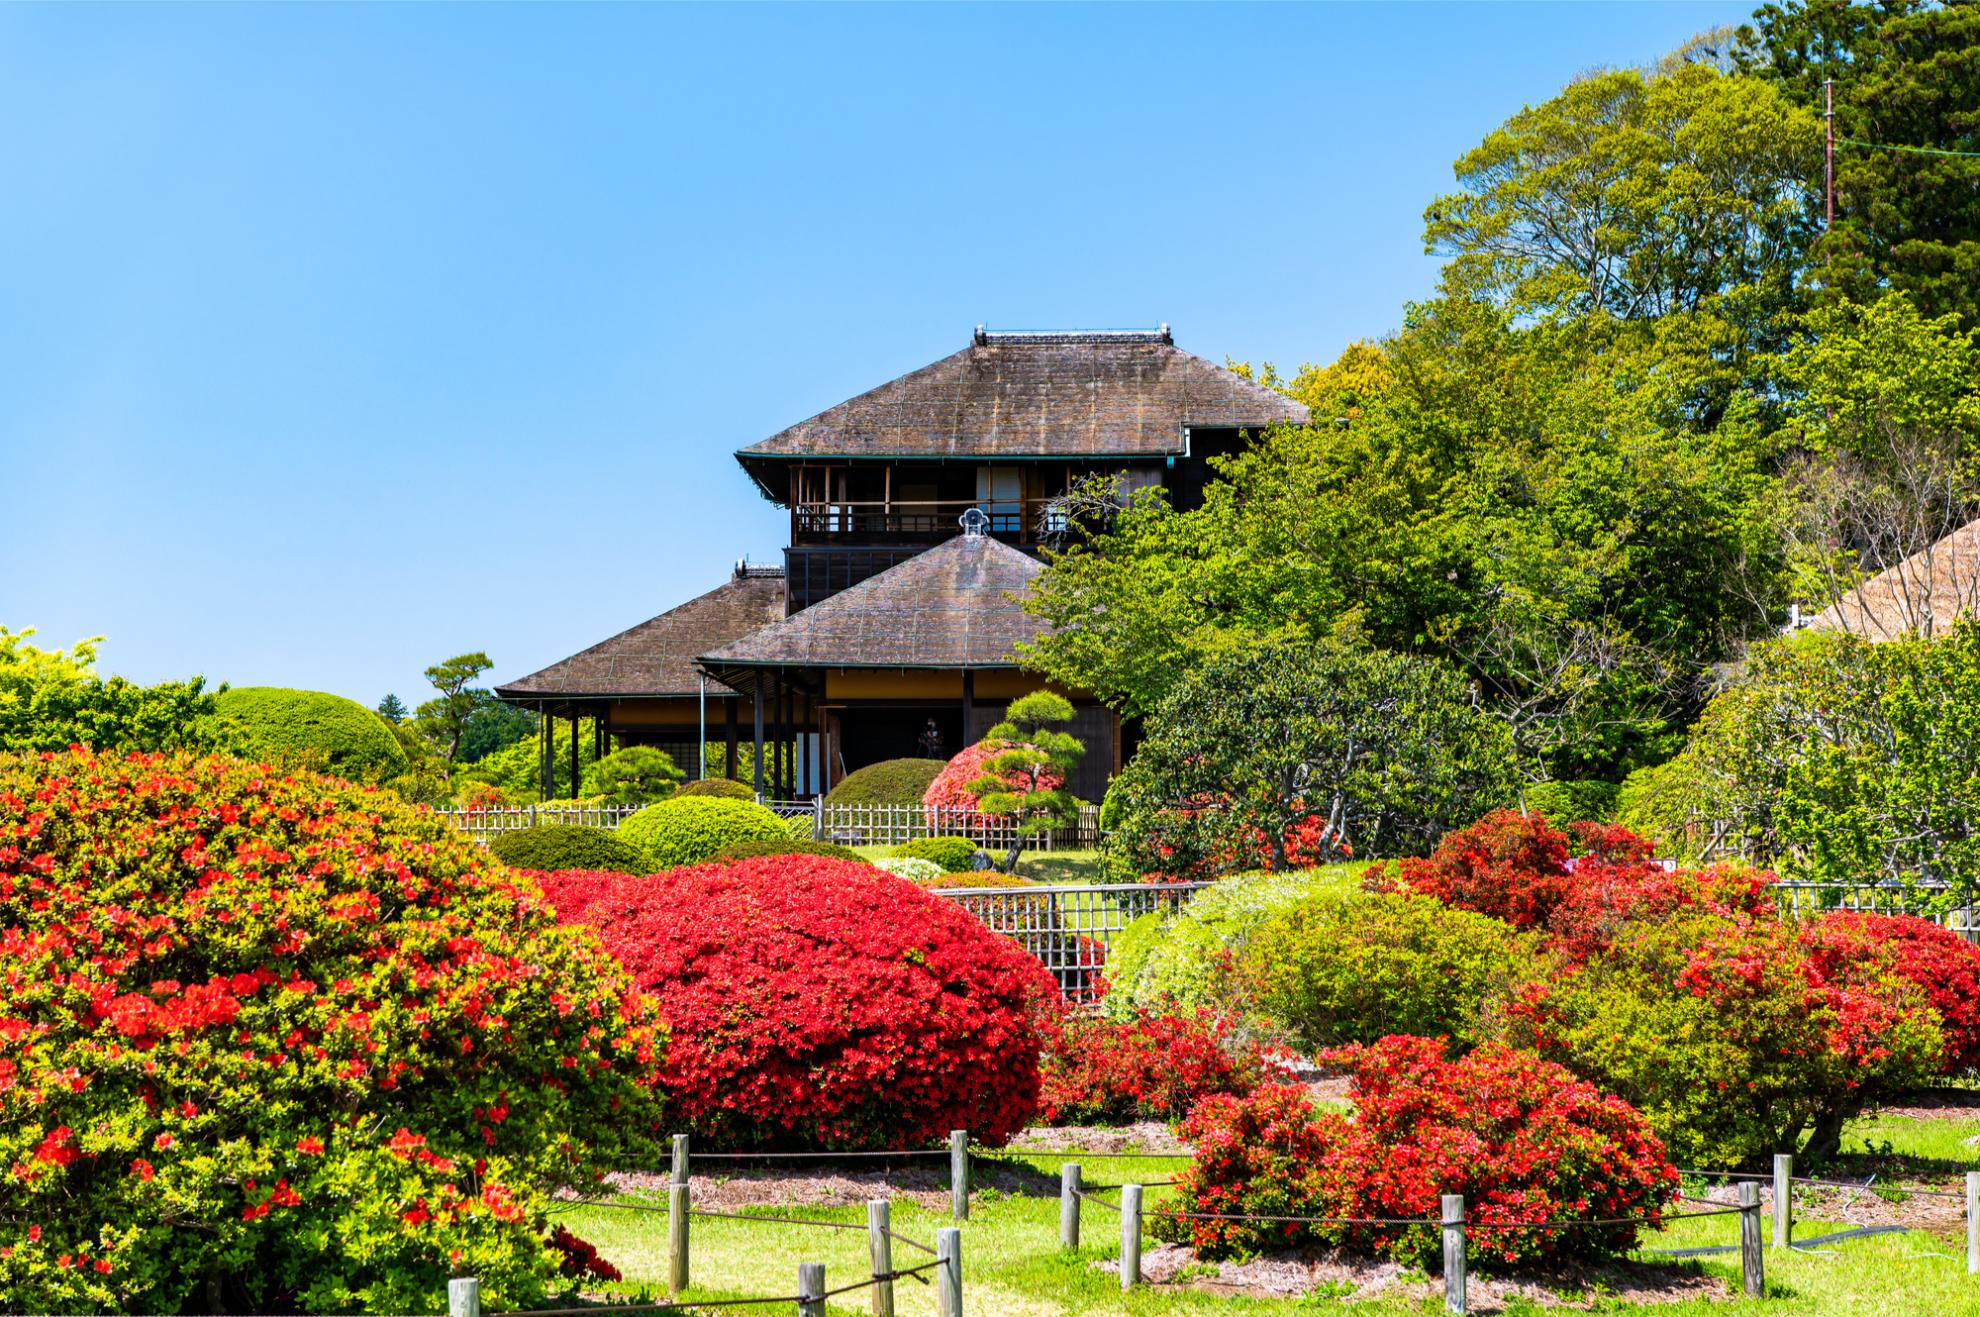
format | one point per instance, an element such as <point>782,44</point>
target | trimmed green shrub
<point>552,846</point>
<point>1573,802</point>
<point>954,854</point>
<point>353,741</point>
<point>723,788</point>
<point>749,850</point>
<point>889,782</point>
<point>1354,967</point>
<point>1166,961</point>
<point>690,829</point>
<point>987,878</point>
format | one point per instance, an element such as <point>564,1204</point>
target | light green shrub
<point>1354,967</point>
<point>1164,961</point>
<point>353,741</point>
<point>690,829</point>
<point>954,854</point>
<point>553,846</point>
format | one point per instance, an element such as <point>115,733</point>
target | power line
<point>1913,150</point>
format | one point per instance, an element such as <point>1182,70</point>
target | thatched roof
<point>1101,393</point>
<point>1924,592</point>
<point>949,607</point>
<point>657,656</point>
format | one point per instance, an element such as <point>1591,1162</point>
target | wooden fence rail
<point>849,825</point>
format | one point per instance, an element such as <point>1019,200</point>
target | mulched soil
<point>1149,1136</point>
<point>1937,1104</point>
<point>1857,1207</point>
<point>1349,1276</point>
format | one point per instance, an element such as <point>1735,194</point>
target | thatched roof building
<point>1925,593</point>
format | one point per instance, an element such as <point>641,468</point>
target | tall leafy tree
<point>1906,74</point>
<point>443,720</point>
<point>51,699</point>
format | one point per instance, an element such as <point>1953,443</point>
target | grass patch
<point>1013,1267</point>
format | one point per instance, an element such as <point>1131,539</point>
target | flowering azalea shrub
<point>1509,865</point>
<point>952,787</point>
<point>1607,897</point>
<point>691,829</point>
<point>1730,1041</point>
<point>820,1004</point>
<point>749,850</point>
<point>914,870</point>
<point>1353,967</point>
<point>1522,1139</point>
<point>1154,1067</point>
<point>1944,966</point>
<point>273,1042</point>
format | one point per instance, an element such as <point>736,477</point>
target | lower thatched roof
<point>1925,592</point>
<point>956,605</point>
<point>657,657</point>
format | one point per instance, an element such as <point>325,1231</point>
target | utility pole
<point>1829,156</point>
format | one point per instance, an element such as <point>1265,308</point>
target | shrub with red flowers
<point>952,787</point>
<point>1509,865</point>
<point>1944,965</point>
<point>275,1042</point>
<point>816,1003</point>
<point>1518,1136</point>
<point>1606,898</point>
<point>1152,1067</point>
<point>1730,1041</point>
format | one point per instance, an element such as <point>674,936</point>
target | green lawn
<point>1013,1267</point>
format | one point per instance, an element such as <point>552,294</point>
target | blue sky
<point>335,340</point>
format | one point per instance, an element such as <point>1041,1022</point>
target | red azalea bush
<point>1509,865</point>
<point>343,1052</point>
<point>1153,1067</point>
<point>951,788</point>
<point>1944,965</point>
<point>816,1003</point>
<point>1519,1137</point>
<point>1606,898</point>
<point>1731,1042</point>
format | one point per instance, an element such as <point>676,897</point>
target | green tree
<point>392,709</point>
<point>1318,749</point>
<point>1639,195</point>
<point>51,699</point>
<point>443,720</point>
<point>493,725</point>
<point>1032,752</point>
<point>636,775</point>
<point>1907,73</point>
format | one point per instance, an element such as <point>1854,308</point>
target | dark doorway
<point>869,735</point>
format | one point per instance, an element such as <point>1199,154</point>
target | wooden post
<point>1752,1259</point>
<point>680,1175</point>
<point>677,1238</point>
<point>948,1276</point>
<point>1130,1236</point>
<point>464,1297</point>
<point>729,769</point>
<point>959,1174</point>
<point>811,1289</point>
<point>1453,1222</point>
<point>756,764</point>
<point>880,1249</point>
<point>1783,1199</point>
<point>1973,1223</point>
<point>1069,1206</point>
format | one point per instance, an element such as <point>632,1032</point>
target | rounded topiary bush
<point>954,854</point>
<point>723,788</point>
<point>690,829</point>
<point>1353,967</point>
<point>567,846</point>
<point>751,850</point>
<point>344,1052</point>
<point>820,1004</point>
<point>1521,1138</point>
<point>353,741</point>
<point>890,782</point>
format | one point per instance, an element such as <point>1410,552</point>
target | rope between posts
<point>1471,1222</point>
<point>911,1243</point>
<point>1868,1186</point>
<point>689,1305</point>
<point>1067,1154</point>
<point>784,1156</point>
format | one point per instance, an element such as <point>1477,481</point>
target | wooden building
<point>889,630</point>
